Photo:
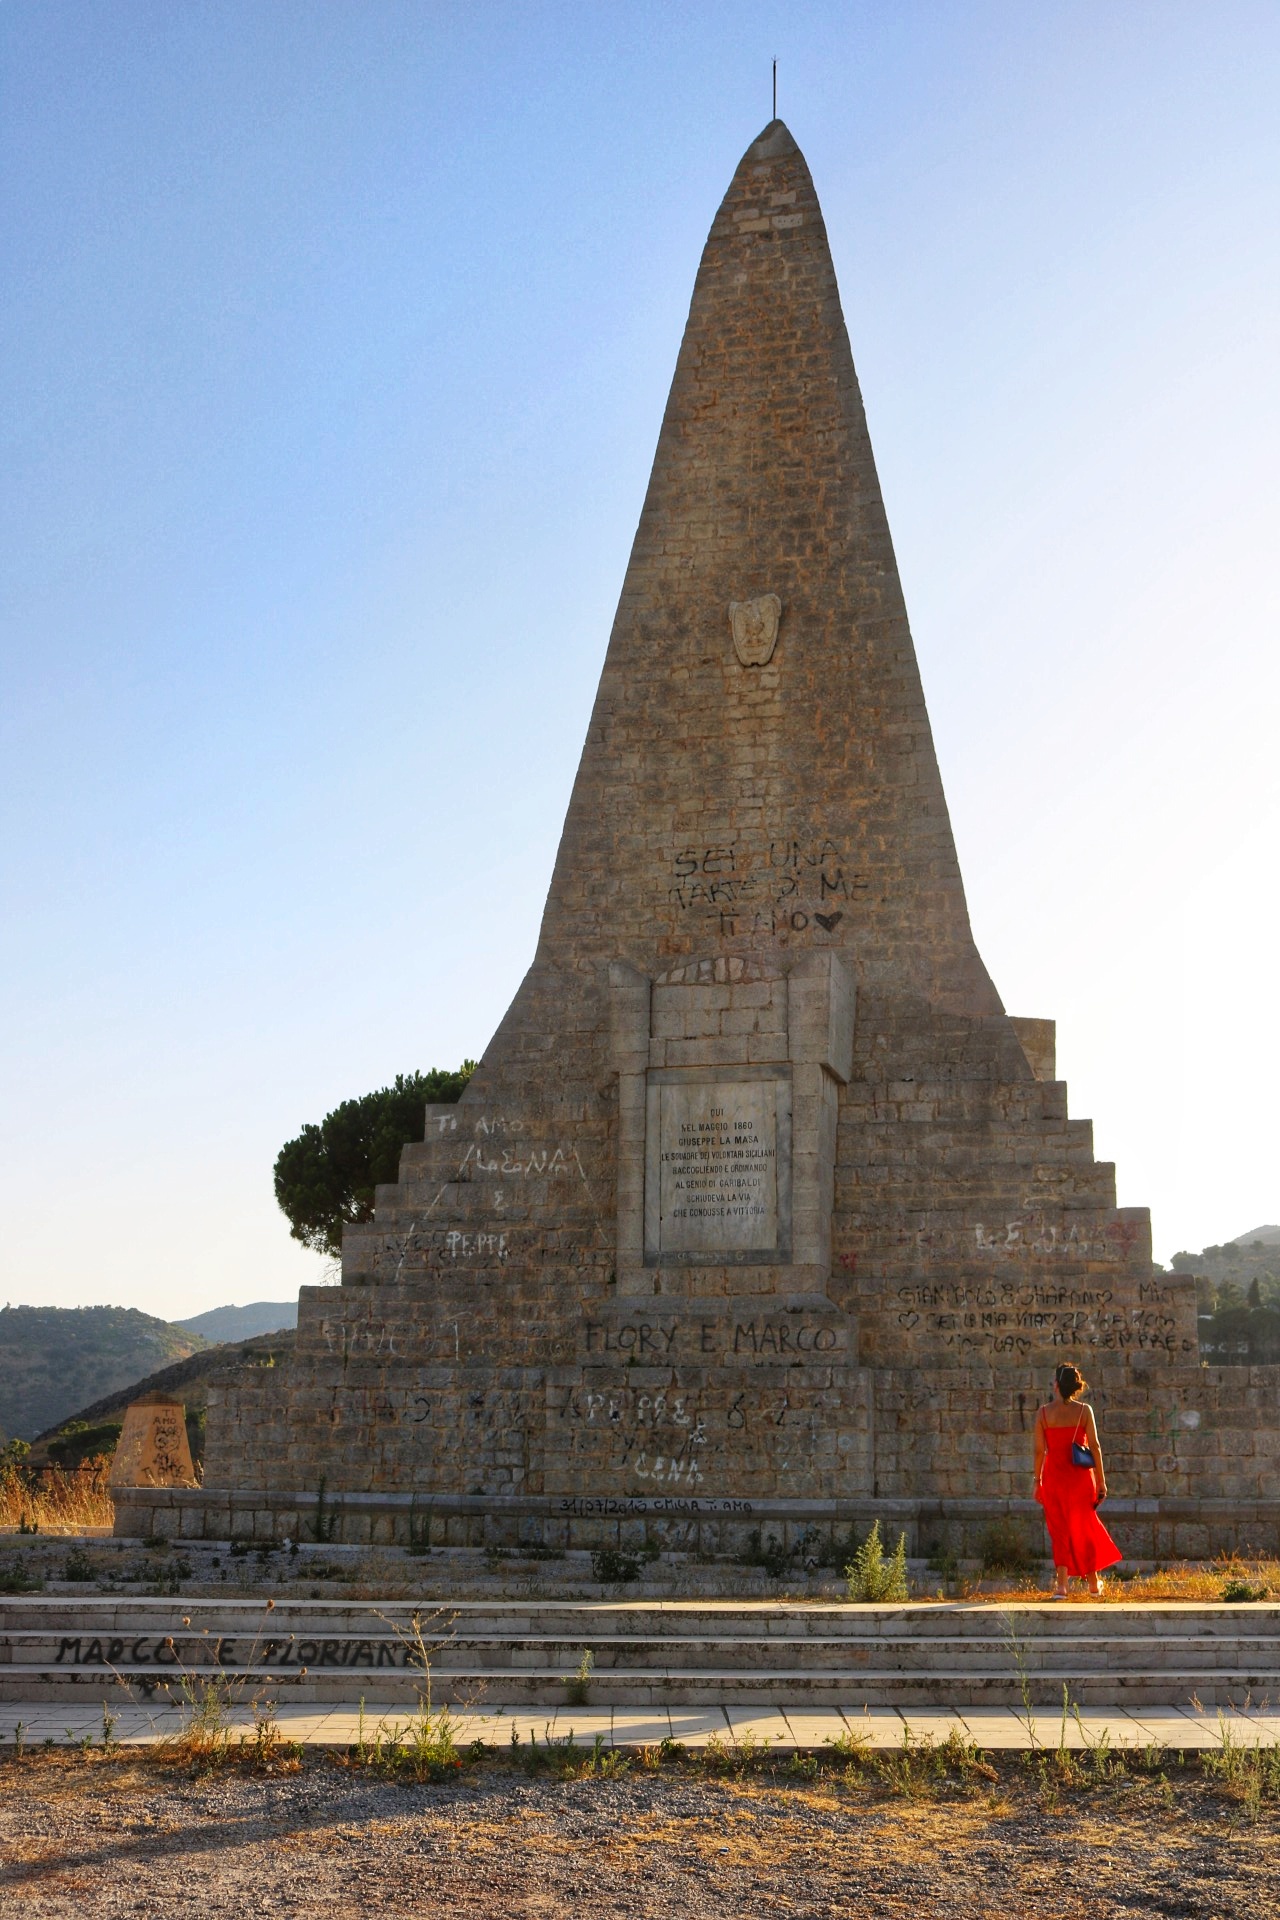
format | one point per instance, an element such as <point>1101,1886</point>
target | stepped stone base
<point>1151,1529</point>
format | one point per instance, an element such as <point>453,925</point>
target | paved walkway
<point>991,1728</point>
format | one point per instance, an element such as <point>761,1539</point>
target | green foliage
<point>324,1527</point>
<point>811,1550</point>
<point>562,1756</point>
<point>17,1578</point>
<point>160,1576</point>
<point>1237,1302</point>
<point>831,1550</point>
<point>1003,1548</point>
<point>423,1747</point>
<point>76,1440</point>
<point>325,1178</point>
<point>871,1577</point>
<point>577,1687</point>
<point>195,1423</point>
<point>767,1551</point>
<point>419,1531</point>
<point>1240,1592</point>
<point>1240,1335</point>
<point>1250,1774</point>
<point>612,1568</point>
<point>56,1360</point>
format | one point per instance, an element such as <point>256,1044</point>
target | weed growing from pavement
<point>211,1732</point>
<point>17,1577</point>
<point>565,1758</point>
<point>869,1576</point>
<point>422,1746</point>
<point>577,1686</point>
<point>1248,1773</point>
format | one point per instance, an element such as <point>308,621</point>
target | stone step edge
<point>748,1606</point>
<point>858,1619</point>
<point>1166,1724</point>
<point>477,1637</point>
<point>1263,1645</point>
<point>76,1677</point>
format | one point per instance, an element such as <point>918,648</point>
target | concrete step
<point>642,1654</point>
<point>474,1688</point>
<point>784,1726</point>
<point>286,1651</point>
<point>635,1620</point>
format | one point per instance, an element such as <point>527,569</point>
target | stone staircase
<point>485,1654</point>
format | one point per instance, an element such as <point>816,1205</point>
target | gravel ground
<point>97,1836</point>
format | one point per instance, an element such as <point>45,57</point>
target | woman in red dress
<point>1070,1493</point>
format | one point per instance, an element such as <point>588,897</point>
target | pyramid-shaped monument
<point>759,1206</point>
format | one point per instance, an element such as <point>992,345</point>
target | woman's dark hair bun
<point>1070,1381</point>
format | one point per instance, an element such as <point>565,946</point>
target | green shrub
<point>577,1686</point>
<point>612,1568</point>
<point>769,1553</point>
<point>16,1578</point>
<point>1238,1591</point>
<point>871,1577</point>
<point>77,1441</point>
<point>1002,1548</point>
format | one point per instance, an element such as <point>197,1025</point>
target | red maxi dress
<point>1067,1493</point>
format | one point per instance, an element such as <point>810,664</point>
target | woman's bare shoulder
<point>1064,1413</point>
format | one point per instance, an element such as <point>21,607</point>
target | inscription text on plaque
<point>716,1169</point>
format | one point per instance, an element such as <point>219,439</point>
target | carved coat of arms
<point>755,628</point>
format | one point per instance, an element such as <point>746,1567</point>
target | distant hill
<point>55,1359</point>
<point>94,1427</point>
<point>243,1323</point>
<point>1235,1263</point>
<point>1238,1298</point>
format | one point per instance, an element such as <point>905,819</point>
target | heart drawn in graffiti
<point>908,1320</point>
<point>829,920</point>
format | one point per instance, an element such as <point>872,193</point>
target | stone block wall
<point>972,1224</point>
<point>757,1398</point>
<point>1178,1437</point>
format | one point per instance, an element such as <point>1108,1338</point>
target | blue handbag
<point>1081,1456</point>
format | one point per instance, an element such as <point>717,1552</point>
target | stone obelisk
<point>774,795</point>
<point>757,1191</point>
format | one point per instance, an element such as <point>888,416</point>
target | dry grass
<point>1201,1582</point>
<point>54,1501</point>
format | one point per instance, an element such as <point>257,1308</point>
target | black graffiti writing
<point>277,1655</point>
<point>782,1336</point>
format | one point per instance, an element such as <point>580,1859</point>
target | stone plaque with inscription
<point>717,1168</point>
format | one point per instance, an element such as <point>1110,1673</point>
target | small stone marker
<point>153,1449</point>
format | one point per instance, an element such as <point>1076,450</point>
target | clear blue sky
<point>333,345</point>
